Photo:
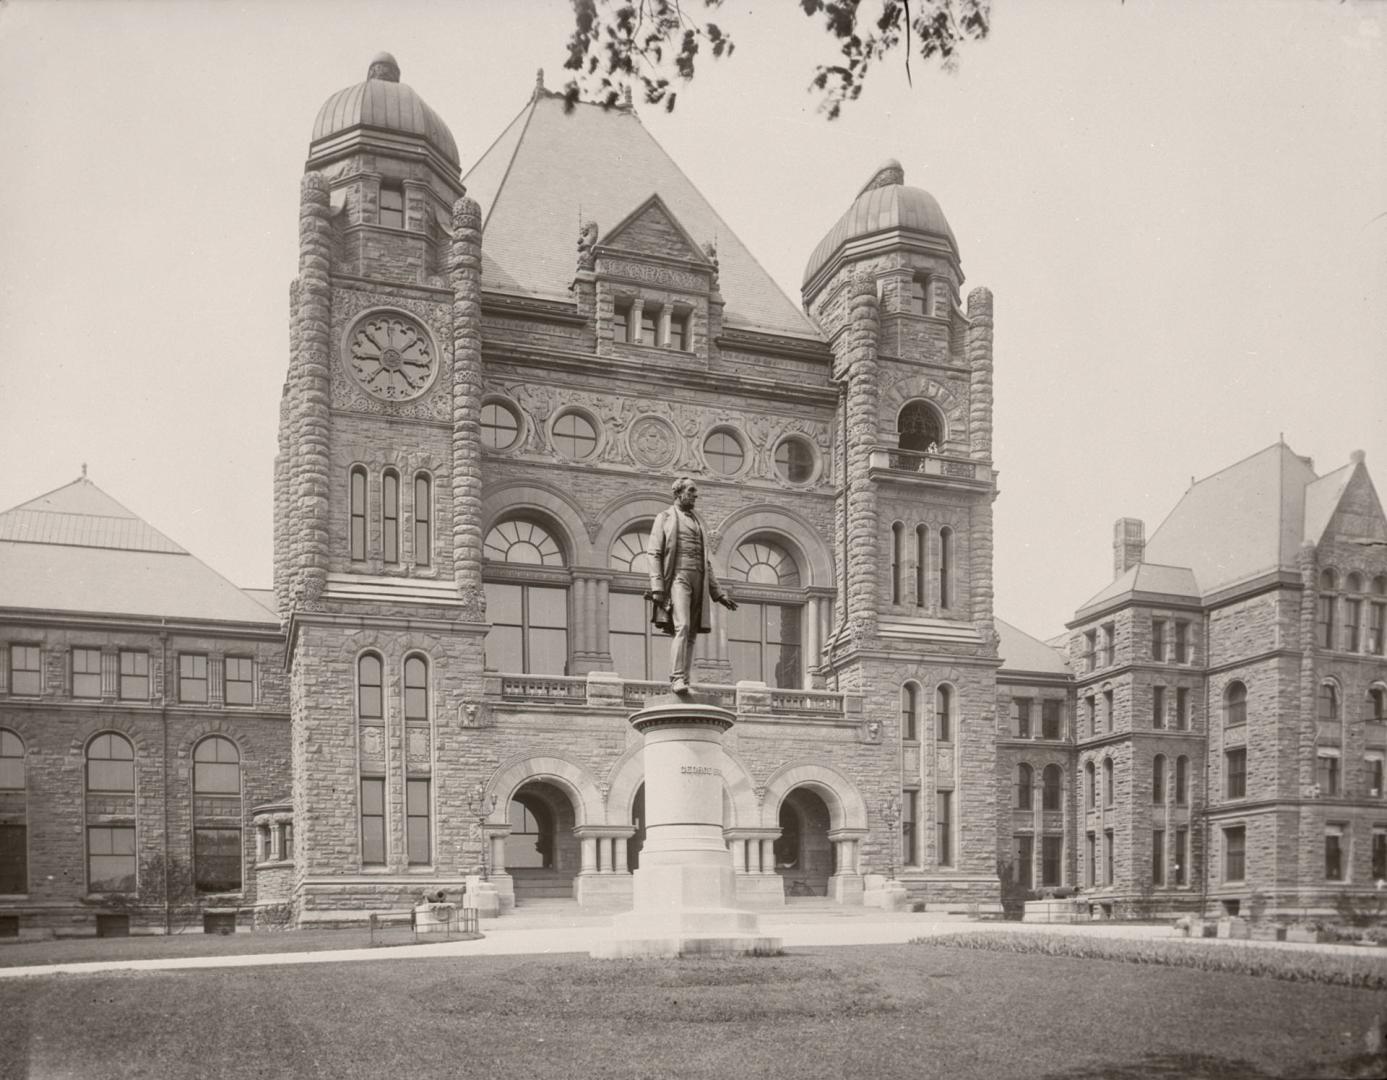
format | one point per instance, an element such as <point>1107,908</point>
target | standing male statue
<point>681,580</point>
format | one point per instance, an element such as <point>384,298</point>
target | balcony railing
<point>565,688</point>
<point>605,689</point>
<point>925,464</point>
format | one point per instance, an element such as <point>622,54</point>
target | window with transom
<point>216,815</point>
<point>529,621</point>
<point>765,636</point>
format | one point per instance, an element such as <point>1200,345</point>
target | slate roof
<point>1021,652</point>
<point>882,209</point>
<point>549,167</point>
<point>1322,499</point>
<point>385,104</point>
<point>76,549</point>
<point>1149,578</point>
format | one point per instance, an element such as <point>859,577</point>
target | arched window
<point>416,688</point>
<point>358,513</point>
<point>14,830</point>
<point>369,686</point>
<point>423,520</point>
<point>111,844</point>
<point>1182,792</point>
<point>1025,783</point>
<point>765,637</point>
<point>946,568</point>
<point>919,428</point>
<point>897,560</point>
<point>910,712</point>
<point>1328,711</point>
<point>1377,703</point>
<point>1052,788</point>
<point>921,562</point>
<point>390,515</point>
<point>1354,583</point>
<point>216,815</point>
<point>1158,779</point>
<point>1090,786</point>
<point>529,622</point>
<point>1108,786</point>
<point>1235,704</point>
<point>943,714</point>
<point>639,651</point>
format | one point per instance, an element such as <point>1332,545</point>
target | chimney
<point>1128,544</point>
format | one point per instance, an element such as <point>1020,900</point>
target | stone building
<point>493,378</point>
<point>1230,684</point>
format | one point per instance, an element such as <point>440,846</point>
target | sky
<point>1180,208</point>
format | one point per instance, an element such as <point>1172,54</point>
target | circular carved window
<point>794,460</point>
<point>391,356</point>
<point>574,436</point>
<point>500,427</point>
<point>723,453</point>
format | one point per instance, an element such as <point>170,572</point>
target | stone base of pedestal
<point>845,888</point>
<point>484,896</point>
<point>688,932</point>
<point>879,892</point>
<point>760,890</point>
<point>603,892</point>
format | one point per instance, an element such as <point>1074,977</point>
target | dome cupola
<point>884,213</point>
<point>382,112</point>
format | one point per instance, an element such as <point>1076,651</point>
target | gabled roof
<point>653,213</point>
<point>1245,520</point>
<point>1148,578</point>
<point>549,168</point>
<point>1021,652</point>
<point>78,550</point>
<point>1322,499</point>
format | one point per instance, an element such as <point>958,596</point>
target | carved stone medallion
<point>390,356</point>
<point>652,441</point>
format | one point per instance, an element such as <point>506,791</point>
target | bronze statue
<point>681,580</point>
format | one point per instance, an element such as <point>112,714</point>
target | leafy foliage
<point>1315,967</point>
<point>617,45</point>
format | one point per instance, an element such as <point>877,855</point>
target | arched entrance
<point>804,855</point>
<point>542,854</point>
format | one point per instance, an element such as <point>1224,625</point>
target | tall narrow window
<point>1158,639</point>
<point>1182,767</point>
<point>909,817</point>
<point>1158,707</point>
<point>1108,786</point>
<point>765,639</point>
<point>943,714</point>
<point>1324,609</point>
<point>1182,708</point>
<point>416,688</point>
<point>423,520</point>
<point>1023,718</point>
<point>529,623</point>
<point>1108,710</point>
<point>1377,704</point>
<point>1327,771</point>
<point>910,710</point>
<point>372,821</point>
<point>1234,853</point>
<point>216,815</point>
<point>1025,784</point>
<point>1157,856</point>
<point>650,325</point>
<point>1052,788</point>
<point>26,674</point>
<point>1379,864</point>
<point>1377,617</point>
<point>1090,786</point>
<point>1090,650</point>
<point>1025,859</point>
<point>1158,780</point>
<point>86,673</point>
<point>1109,644</point>
<point>919,295</point>
<point>1235,770</point>
<point>679,332</point>
<point>1181,856</point>
<point>946,568</point>
<point>418,845</point>
<point>1353,624</point>
<point>1107,857</point>
<point>1328,704</point>
<point>621,322</point>
<point>921,563</point>
<point>1051,861</point>
<point>897,560</point>
<point>134,676</point>
<point>192,678</point>
<point>14,831</point>
<point>1235,705</point>
<point>392,205</point>
<point>1182,642</point>
<point>944,825</point>
<point>368,687</point>
<point>390,516</point>
<point>111,844</point>
<point>1091,706</point>
<point>358,514</point>
<point>1050,725</point>
<point>1091,863</point>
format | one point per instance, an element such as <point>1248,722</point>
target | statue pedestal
<point>685,890</point>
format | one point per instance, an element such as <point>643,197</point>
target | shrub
<point>1361,910</point>
<point>1330,968</point>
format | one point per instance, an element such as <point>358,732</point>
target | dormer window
<point>679,332</point>
<point>650,326</point>
<point>392,206</point>
<point>621,322</point>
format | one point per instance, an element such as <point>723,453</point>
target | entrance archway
<point>542,854</point>
<point>804,855</point>
<point>637,840</point>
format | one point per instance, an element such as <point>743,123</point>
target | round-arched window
<point>794,460</point>
<point>1354,583</point>
<point>216,767</point>
<point>628,551</point>
<point>520,541</point>
<point>723,453</point>
<point>762,562</point>
<point>1329,579</point>
<point>500,426</point>
<point>574,436</point>
<point>919,427</point>
<point>11,761</point>
<point>1235,704</point>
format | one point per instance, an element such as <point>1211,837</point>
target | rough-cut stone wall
<point>465,271</point>
<point>859,361</point>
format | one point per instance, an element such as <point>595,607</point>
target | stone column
<point>589,845</point>
<point>860,343</point>
<point>767,855</point>
<point>465,276</point>
<point>811,646</point>
<point>634,330</point>
<point>665,313</point>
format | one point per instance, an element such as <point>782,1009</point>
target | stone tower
<point>914,521</point>
<point>377,495</point>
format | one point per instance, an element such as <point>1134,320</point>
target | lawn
<point>871,1011</point>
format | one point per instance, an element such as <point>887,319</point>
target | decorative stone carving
<point>348,307</point>
<point>653,442</point>
<point>587,241</point>
<point>391,356</point>
<point>373,742</point>
<point>417,744</point>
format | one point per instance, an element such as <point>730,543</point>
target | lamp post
<point>892,812</point>
<point>477,805</point>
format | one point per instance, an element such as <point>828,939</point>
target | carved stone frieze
<point>347,306</point>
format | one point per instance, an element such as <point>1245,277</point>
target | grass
<point>879,1011</point>
<point>153,947</point>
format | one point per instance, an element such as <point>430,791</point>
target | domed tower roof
<point>381,103</point>
<point>885,205</point>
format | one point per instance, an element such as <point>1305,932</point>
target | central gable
<point>652,229</point>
